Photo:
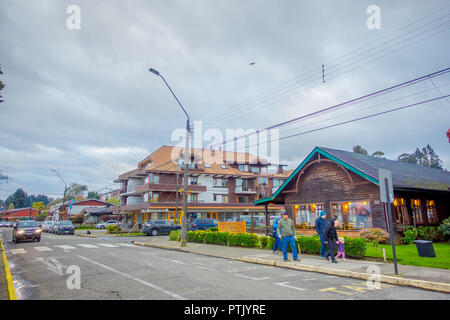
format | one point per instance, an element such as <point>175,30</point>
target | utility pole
<point>186,163</point>
<point>65,190</point>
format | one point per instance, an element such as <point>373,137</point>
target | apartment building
<point>222,185</point>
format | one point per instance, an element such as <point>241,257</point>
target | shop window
<point>416,209</point>
<point>352,215</point>
<point>401,212</point>
<point>305,214</point>
<point>431,212</point>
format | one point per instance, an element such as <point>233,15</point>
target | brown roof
<point>165,159</point>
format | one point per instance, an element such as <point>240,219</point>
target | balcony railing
<point>245,190</point>
<point>168,187</point>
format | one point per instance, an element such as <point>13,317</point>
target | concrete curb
<point>9,281</point>
<point>422,284</point>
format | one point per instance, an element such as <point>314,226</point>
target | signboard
<point>233,227</point>
<point>382,175</point>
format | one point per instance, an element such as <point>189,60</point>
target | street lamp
<point>65,186</point>
<point>186,161</point>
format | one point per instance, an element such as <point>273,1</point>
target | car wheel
<point>154,232</point>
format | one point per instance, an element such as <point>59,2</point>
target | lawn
<point>407,254</point>
<point>133,234</point>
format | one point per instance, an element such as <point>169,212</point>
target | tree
<point>2,85</point>
<point>11,206</point>
<point>18,199</point>
<point>360,150</point>
<point>77,218</point>
<point>426,157</point>
<point>75,190</point>
<point>114,201</point>
<point>38,205</point>
<point>378,154</point>
<point>93,195</point>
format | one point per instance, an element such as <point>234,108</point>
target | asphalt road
<point>111,268</point>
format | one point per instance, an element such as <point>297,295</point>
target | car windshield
<point>66,223</point>
<point>27,224</point>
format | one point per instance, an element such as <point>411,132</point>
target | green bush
<point>212,237</point>
<point>444,228</point>
<point>270,242</point>
<point>85,227</point>
<point>355,247</point>
<point>263,241</point>
<point>309,244</point>
<point>213,229</point>
<point>222,238</point>
<point>374,235</point>
<point>113,229</point>
<point>175,235</point>
<point>427,233</point>
<point>409,235</point>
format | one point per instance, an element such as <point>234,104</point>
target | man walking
<point>330,236</point>
<point>320,224</point>
<point>286,232</point>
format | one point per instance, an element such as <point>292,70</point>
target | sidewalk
<point>425,278</point>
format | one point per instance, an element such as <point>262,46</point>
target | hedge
<point>354,247</point>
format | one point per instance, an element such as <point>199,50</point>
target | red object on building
<point>19,214</point>
<point>448,135</point>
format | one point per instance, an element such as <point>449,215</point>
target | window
<point>272,169</point>
<point>352,215</point>
<point>431,212</point>
<point>220,182</point>
<point>401,212</point>
<point>224,198</point>
<point>193,197</point>
<point>156,179</point>
<point>277,183</point>
<point>416,208</point>
<point>223,166</point>
<point>263,181</point>
<point>305,214</point>
<point>207,165</point>
<point>243,167</point>
<point>255,169</point>
<point>151,178</point>
<point>193,180</point>
<point>215,197</point>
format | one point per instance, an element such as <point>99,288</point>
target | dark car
<point>203,224</point>
<point>26,230</point>
<point>65,227</point>
<point>156,227</point>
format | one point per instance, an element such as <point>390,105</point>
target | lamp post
<point>186,161</point>
<point>65,187</point>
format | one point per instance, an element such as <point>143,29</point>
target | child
<point>341,248</point>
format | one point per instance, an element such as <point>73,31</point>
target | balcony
<point>244,190</point>
<point>168,188</point>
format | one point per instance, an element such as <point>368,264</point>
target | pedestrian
<point>277,244</point>
<point>320,224</point>
<point>330,237</point>
<point>341,248</point>
<point>286,232</point>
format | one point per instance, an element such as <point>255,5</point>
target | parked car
<point>3,224</point>
<point>25,230</point>
<point>104,225</point>
<point>65,227</point>
<point>157,227</point>
<point>203,224</point>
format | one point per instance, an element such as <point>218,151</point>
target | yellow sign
<point>233,227</point>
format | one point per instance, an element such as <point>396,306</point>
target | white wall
<point>210,189</point>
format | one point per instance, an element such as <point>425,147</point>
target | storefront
<point>345,186</point>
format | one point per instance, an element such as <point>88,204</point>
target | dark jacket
<point>320,225</point>
<point>330,233</point>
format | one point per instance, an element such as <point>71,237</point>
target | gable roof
<point>404,175</point>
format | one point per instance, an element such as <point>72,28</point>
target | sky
<point>82,101</point>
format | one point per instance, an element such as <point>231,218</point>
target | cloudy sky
<point>82,101</point>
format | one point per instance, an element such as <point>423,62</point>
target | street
<point>113,268</point>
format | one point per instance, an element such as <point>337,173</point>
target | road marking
<point>335,290</point>
<point>107,245</point>
<point>251,278</point>
<point>148,284</point>
<point>202,266</point>
<point>128,245</point>
<point>285,284</point>
<point>65,247</point>
<point>289,275</point>
<point>174,261</point>
<point>43,249</point>
<point>18,251</point>
<point>308,279</point>
<point>53,265</point>
<point>89,246</point>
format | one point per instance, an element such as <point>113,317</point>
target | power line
<point>270,94</point>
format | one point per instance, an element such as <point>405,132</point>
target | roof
<point>164,159</point>
<point>404,175</point>
<point>99,211</point>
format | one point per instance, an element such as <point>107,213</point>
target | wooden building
<point>345,185</point>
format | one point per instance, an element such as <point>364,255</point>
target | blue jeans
<point>277,243</point>
<point>323,246</point>
<point>284,243</point>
